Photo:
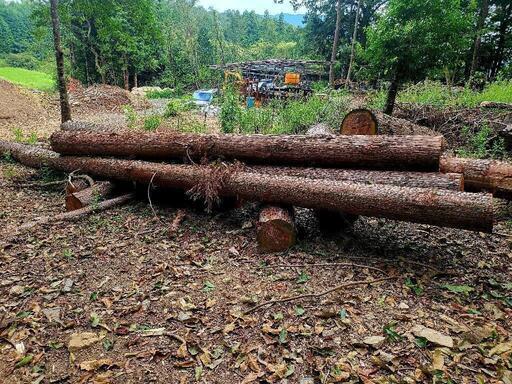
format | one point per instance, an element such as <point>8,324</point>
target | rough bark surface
<point>420,205</point>
<point>496,105</point>
<point>390,125</point>
<point>65,110</point>
<point>359,122</point>
<point>452,181</point>
<point>482,175</point>
<point>276,229</point>
<point>94,194</point>
<point>375,152</point>
<point>31,156</point>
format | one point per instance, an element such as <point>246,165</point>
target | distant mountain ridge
<point>293,19</point>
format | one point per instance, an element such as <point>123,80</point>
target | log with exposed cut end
<point>359,122</point>
<point>420,205</point>
<point>276,229</point>
<point>482,175</point>
<point>89,196</point>
<point>375,152</point>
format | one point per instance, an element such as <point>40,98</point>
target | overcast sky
<point>252,5</point>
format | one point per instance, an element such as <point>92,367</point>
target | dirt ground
<point>114,298</point>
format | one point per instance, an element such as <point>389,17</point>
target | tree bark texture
<point>482,175</point>
<point>89,196</point>
<point>391,97</point>
<point>31,156</point>
<point>374,152</point>
<point>335,43</point>
<point>354,39</point>
<point>276,229</point>
<point>390,125</point>
<point>65,110</point>
<point>450,181</point>
<point>420,205</point>
<point>484,10</point>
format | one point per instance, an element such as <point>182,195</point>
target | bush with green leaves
<point>482,144</point>
<point>230,110</point>
<point>151,123</point>
<point>177,106</point>
<point>166,93</point>
<point>131,115</point>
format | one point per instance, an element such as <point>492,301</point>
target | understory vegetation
<point>28,78</point>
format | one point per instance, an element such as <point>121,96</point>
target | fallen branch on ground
<point>317,295</point>
<point>74,215</point>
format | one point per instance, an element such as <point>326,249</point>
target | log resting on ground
<point>482,175</point>
<point>374,152</point>
<point>428,206</point>
<point>94,194</point>
<point>421,205</point>
<point>359,122</point>
<point>276,229</point>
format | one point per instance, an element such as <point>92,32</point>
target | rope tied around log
<point>215,177</point>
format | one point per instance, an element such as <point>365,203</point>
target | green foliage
<point>391,333</point>
<point>151,123</point>
<point>177,106</point>
<point>482,144</point>
<point>413,37</point>
<point>27,78</point>
<point>230,111</point>
<point>21,60</point>
<point>130,114</point>
<point>20,137</point>
<point>167,93</point>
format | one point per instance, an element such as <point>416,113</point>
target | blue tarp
<point>204,95</point>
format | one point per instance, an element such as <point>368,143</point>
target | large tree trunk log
<point>88,196</point>
<point>421,205</point>
<point>360,122</point>
<point>482,175</point>
<point>381,152</point>
<point>29,155</point>
<point>276,229</point>
<point>452,181</point>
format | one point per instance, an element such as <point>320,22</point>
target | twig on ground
<point>348,265</point>
<point>434,269</point>
<point>39,185</point>
<point>317,295</point>
<point>149,198</point>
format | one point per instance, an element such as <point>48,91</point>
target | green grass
<point>27,78</point>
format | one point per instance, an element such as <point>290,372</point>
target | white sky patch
<point>259,6</point>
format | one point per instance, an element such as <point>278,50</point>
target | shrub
<point>151,123</point>
<point>230,111</point>
<point>130,115</point>
<point>21,60</point>
<point>482,144</point>
<point>166,93</point>
<point>177,106</point>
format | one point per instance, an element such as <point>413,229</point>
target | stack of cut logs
<point>340,177</point>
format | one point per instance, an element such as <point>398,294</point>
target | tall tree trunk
<point>135,80</point>
<point>374,152</point>
<point>392,92</point>
<point>334,52</point>
<point>484,10</point>
<point>354,39</point>
<point>65,110</point>
<point>500,47</point>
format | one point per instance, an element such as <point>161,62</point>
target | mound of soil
<point>98,97</point>
<point>26,110</point>
<point>453,122</point>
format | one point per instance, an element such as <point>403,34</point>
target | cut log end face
<point>359,122</point>
<point>276,230</point>
<point>276,236</point>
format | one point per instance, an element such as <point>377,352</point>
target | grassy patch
<point>27,78</point>
<point>438,95</point>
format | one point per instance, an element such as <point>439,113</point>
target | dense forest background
<point>173,42</point>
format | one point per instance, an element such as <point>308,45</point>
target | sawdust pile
<point>98,97</point>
